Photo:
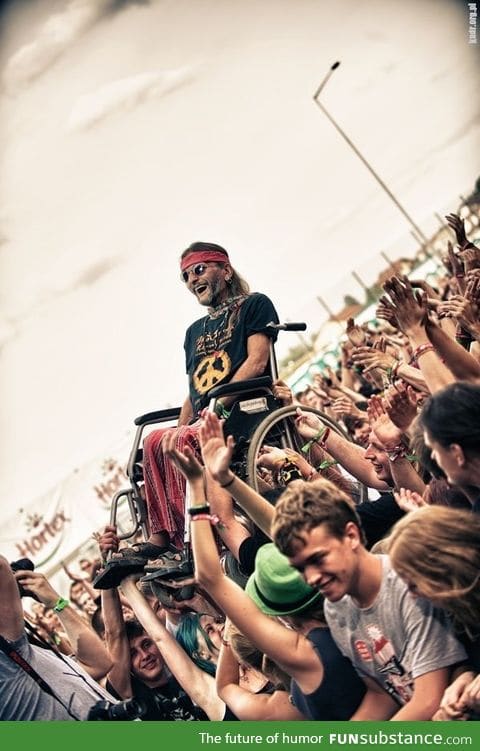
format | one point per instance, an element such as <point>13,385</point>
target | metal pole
<point>388,260</point>
<point>350,143</point>
<point>329,311</point>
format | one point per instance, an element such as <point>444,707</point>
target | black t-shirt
<point>378,517</point>
<point>166,702</point>
<point>216,345</point>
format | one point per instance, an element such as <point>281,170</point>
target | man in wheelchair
<point>231,343</point>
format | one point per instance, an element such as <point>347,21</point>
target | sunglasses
<point>198,270</point>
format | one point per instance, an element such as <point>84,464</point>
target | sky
<point>131,129</point>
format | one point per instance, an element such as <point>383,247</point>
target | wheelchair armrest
<point>160,415</point>
<point>239,387</point>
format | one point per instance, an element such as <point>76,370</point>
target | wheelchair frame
<point>260,401</point>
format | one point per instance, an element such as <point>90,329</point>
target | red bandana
<point>202,257</point>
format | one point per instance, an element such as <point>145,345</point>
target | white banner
<point>57,523</point>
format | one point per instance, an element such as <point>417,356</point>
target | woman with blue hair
<point>200,635</point>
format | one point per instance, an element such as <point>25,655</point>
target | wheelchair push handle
<point>290,326</point>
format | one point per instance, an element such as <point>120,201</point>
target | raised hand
<point>386,312</point>
<point>36,585</point>
<point>457,225</point>
<point>186,461</point>
<point>410,310</point>
<point>401,406</point>
<point>272,457</point>
<point>355,333</point>
<point>387,433</point>
<point>426,287</point>
<point>465,312</point>
<point>71,574</point>
<point>470,257</point>
<point>108,541</point>
<point>371,357</point>
<point>283,392</point>
<point>308,424</point>
<point>216,451</point>
<point>408,500</point>
<point>343,405</point>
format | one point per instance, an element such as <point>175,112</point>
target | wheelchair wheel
<point>278,429</point>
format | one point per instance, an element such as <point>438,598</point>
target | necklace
<point>211,339</point>
<point>219,309</point>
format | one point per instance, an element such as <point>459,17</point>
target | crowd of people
<point>346,588</point>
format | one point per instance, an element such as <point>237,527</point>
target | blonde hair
<point>438,550</point>
<point>247,653</point>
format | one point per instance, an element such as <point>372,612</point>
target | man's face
<point>376,454</point>
<point>208,282</point>
<point>327,563</point>
<point>145,659</point>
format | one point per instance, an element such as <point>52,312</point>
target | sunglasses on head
<point>198,270</point>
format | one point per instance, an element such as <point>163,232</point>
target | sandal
<point>144,550</point>
<point>169,597</point>
<point>116,569</point>
<point>175,564</point>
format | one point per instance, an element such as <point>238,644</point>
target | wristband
<point>396,452</point>
<point>212,518</point>
<point>196,510</point>
<point>306,448</point>
<point>221,412</point>
<point>322,440</point>
<point>421,350</point>
<point>326,464</point>
<point>60,605</point>
<point>227,484</point>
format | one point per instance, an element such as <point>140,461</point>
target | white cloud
<point>125,95</point>
<point>56,35</point>
<point>70,276</point>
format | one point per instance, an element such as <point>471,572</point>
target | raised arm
<point>198,684</point>
<point>244,704</point>
<point>115,634</point>
<point>463,365</point>
<point>87,646</point>
<point>290,650</point>
<point>411,314</point>
<point>217,455</point>
<point>349,455</point>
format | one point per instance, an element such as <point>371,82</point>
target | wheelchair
<point>256,419</point>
